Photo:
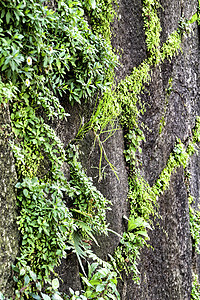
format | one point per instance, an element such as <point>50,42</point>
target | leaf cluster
<point>60,44</point>
<point>127,253</point>
<point>195,293</point>
<point>101,283</point>
<point>194,215</point>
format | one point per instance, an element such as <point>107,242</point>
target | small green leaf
<point>16,269</point>
<point>93,3</point>
<point>38,286</point>
<point>33,275</point>
<point>25,192</point>
<point>45,296</point>
<point>8,17</point>
<point>56,297</point>
<point>15,279</point>
<point>26,280</point>
<point>55,283</point>
<point>18,185</point>
<point>22,272</point>
<point>194,18</point>
<point>100,287</point>
<point>143,233</point>
<point>71,291</point>
<point>37,297</point>
<point>86,281</point>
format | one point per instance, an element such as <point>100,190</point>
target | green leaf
<point>56,297</point>
<point>93,4</point>
<point>8,17</point>
<point>33,275</point>
<point>100,287</point>
<point>138,222</point>
<point>79,248</point>
<point>3,13</point>
<point>45,63</point>
<point>37,297</point>
<point>1,296</point>
<point>71,291</point>
<point>194,18</point>
<point>16,269</point>
<point>143,233</point>
<point>26,193</point>
<point>45,296</point>
<point>22,272</point>
<point>86,281</point>
<point>94,281</point>
<point>38,286</point>
<point>134,223</point>
<point>55,283</point>
<point>26,280</point>
<point>15,279</point>
<point>18,185</point>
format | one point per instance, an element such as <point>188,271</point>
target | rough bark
<point>166,271</point>
<point>9,237</point>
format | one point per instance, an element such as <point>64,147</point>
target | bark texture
<point>9,237</point>
<point>166,268</point>
<point>166,271</point>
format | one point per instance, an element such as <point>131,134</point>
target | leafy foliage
<point>60,47</point>
<point>152,29</point>
<point>47,54</point>
<point>195,294</point>
<point>101,14</point>
<point>44,223</point>
<point>194,225</point>
<point>128,252</point>
<point>89,205</point>
<point>101,282</point>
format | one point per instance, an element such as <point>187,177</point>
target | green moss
<point>195,293</point>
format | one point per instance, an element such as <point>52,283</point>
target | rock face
<point>9,237</point>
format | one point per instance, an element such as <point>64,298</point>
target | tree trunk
<point>9,237</point>
<point>165,267</point>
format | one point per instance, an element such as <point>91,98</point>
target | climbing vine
<point>142,197</point>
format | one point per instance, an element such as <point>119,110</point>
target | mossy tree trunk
<point>9,236</point>
<point>166,267</point>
